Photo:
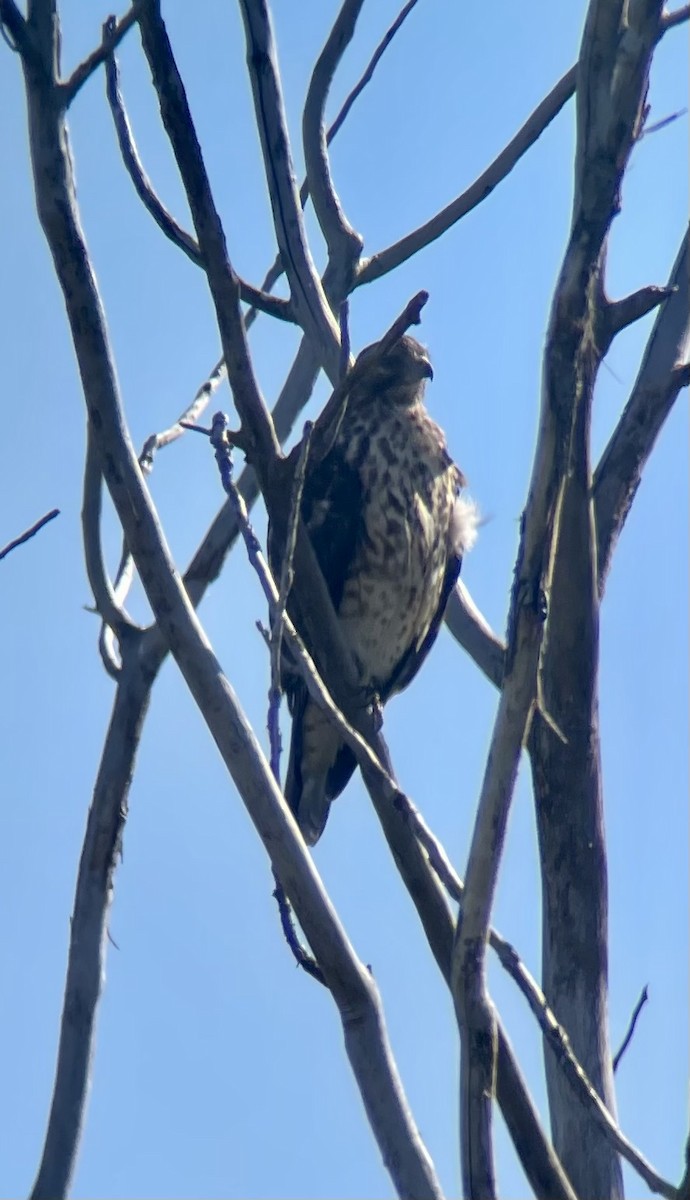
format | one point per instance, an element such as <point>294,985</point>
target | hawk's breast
<point>393,586</point>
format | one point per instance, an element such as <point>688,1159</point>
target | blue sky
<point>219,1069</point>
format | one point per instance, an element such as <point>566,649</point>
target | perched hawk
<point>389,528</point>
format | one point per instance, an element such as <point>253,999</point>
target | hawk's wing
<point>412,660</point>
<point>332,513</point>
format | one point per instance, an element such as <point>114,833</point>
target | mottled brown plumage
<point>389,529</point>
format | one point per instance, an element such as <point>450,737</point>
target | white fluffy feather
<point>464,524</point>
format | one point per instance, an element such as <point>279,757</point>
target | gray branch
<point>677,16</point>
<point>470,628</point>
<point>617,48</point>
<point>656,388</point>
<point>613,71</point>
<point>341,239</point>
<point>274,306</point>
<point>108,602</point>
<point>113,33</point>
<point>29,533</point>
<point>390,258</point>
<point>306,291</point>
<point>89,930</point>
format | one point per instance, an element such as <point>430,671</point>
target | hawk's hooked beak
<point>427,369</point>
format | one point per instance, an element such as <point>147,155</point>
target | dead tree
<point>546,671</point>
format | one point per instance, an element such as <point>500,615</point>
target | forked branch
<point>342,241</point>
<point>274,306</point>
<point>656,388</point>
<point>306,290</point>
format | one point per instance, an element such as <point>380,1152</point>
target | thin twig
<point>644,996</point>
<point>286,579</point>
<point>274,306</point>
<point>301,955</point>
<point>368,72</point>
<point>656,126</point>
<point>110,598</point>
<point>616,315</point>
<point>223,453</point>
<point>222,281</point>
<point>29,533</point>
<point>112,34</point>
<point>107,604</point>
<point>345,348</point>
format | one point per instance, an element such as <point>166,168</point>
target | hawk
<point>389,526</point>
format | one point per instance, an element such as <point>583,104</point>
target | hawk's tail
<point>319,767</point>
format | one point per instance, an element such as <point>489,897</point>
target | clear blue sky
<point>220,1070</point>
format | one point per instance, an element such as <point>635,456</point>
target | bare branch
<point>555,1035</point>
<point>644,996</point>
<point>221,446</point>
<point>656,388</point>
<point>274,306</point>
<point>301,955</point>
<point>597,1111</point>
<point>29,533</point>
<point>222,281</point>
<point>112,34</point>
<point>108,604</point>
<point>669,20</point>
<point>469,627</point>
<point>618,314</point>
<point>656,126</point>
<point>16,32</point>
<point>617,47</point>
<point>366,77</point>
<point>345,345</point>
<point>286,580</point>
<point>312,600</point>
<point>276,270</point>
<point>684,1185</point>
<point>341,239</point>
<point>386,260</point>
<point>306,291</point>
<point>89,930</point>
<point>157,441</point>
<point>110,599</point>
<point>208,560</point>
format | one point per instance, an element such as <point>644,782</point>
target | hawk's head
<point>399,375</point>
